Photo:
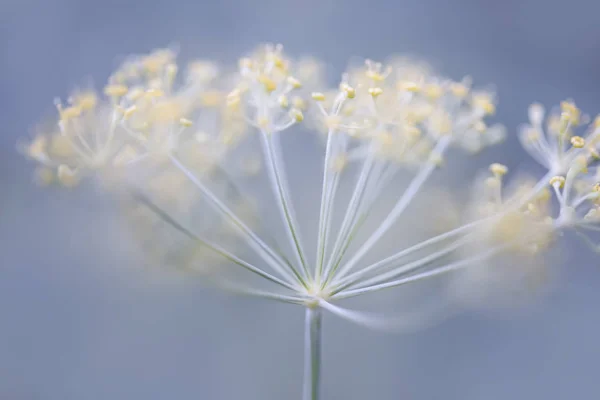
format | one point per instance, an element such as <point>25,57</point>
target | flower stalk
<point>312,354</point>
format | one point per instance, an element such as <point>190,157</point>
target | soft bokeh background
<point>80,320</point>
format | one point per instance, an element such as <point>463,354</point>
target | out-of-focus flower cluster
<point>184,143</point>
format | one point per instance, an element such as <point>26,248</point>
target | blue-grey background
<point>77,321</point>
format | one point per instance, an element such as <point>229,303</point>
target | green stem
<point>312,354</point>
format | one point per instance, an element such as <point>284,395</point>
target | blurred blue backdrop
<point>76,323</point>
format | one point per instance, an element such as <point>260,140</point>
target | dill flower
<point>183,149</point>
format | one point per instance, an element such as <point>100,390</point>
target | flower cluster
<point>182,144</point>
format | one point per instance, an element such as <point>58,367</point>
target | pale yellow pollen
<point>375,91</point>
<point>581,163</point>
<point>532,135</point>
<point>69,112</point>
<point>596,188</point>
<point>459,90</point>
<point>570,112</point>
<point>318,96</point>
<point>211,98</point>
<point>498,169</point>
<point>339,163</point>
<point>480,126</point>
<point>154,92</point>
<point>283,101</point>
<point>578,142</point>
<point>185,122</point>
<point>233,98</point>
<point>484,102</point>
<point>262,122</point>
<point>296,115</point>
<point>349,90</point>
<point>115,90</point>
<point>333,121</point>
<point>86,101</point>
<point>409,86</point>
<point>594,153</point>
<point>557,181</point>
<point>60,146</point>
<point>299,103</point>
<point>129,111</point>
<point>596,123</point>
<point>436,159</point>
<point>374,75</point>
<point>66,176</point>
<point>268,83</point>
<point>295,83</point>
<point>246,63</point>
<point>37,147</point>
<point>433,91</point>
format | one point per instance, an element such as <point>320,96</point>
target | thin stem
<point>423,275</point>
<point>403,268</point>
<point>349,217</point>
<point>404,201</point>
<point>281,192</point>
<point>212,246</point>
<point>259,246</point>
<point>312,354</point>
<point>328,191</point>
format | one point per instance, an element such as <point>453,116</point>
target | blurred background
<point>82,318</point>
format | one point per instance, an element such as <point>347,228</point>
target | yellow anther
<point>409,86</point>
<point>128,112</point>
<point>295,83</point>
<point>578,142</point>
<point>37,147</point>
<point>581,164</point>
<point>233,98</point>
<point>135,93</point>
<point>296,115</point>
<point>333,121</point>
<point>299,103</point>
<point>66,176</point>
<point>246,63</point>
<point>594,153</point>
<point>318,96</point>
<point>268,83</point>
<point>86,101</point>
<point>557,181</point>
<point>493,182</point>
<point>211,98</point>
<point>349,90</point>
<point>596,123</point>
<point>154,93</point>
<point>185,122</point>
<point>69,112</point>
<point>459,89</point>
<point>374,75</point>
<point>171,72</point>
<point>532,135</point>
<point>115,90</point>
<point>484,102</point>
<point>283,101</point>
<point>262,122</point>
<point>596,188</point>
<point>433,91</point>
<point>498,170</point>
<point>480,126</point>
<point>412,131</point>
<point>570,112</point>
<point>339,163</point>
<point>436,159</point>
<point>375,91</point>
